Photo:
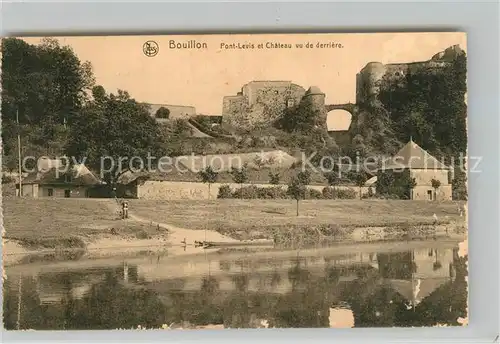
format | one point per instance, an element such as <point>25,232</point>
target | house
<point>414,162</point>
<point>77,182</point>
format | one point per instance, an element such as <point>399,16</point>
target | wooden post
<point>19,154</point>
<point>19,298</point>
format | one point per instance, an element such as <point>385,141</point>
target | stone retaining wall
<point>168,190</point>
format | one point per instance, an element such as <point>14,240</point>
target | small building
<point>77,182</point>
<point>413,162</point>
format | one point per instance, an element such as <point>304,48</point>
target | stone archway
<point>339,116</point>
<point>349,107</point>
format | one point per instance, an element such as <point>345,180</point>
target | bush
<point>347,194</point>
<point>370,193</point>
<point>339,193</point>
<point>225,192</point>
<point>142,234</point>
<point>313,194</point>
<point>246,192</point>
<point>8,179</point>
<point>275,192</point>
<point>329,193</point>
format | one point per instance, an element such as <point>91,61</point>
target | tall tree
<point>297,190</point>
<point>46,85</point>
<point>42,81</point>
<point>209,176</point>
<point>116,134</point>
<point>435,185</point>
<point>240,176</point>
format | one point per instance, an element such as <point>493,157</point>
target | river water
<point>384,285</point>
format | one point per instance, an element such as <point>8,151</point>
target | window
<point>429,195</point>
<point>50,192</point>
<point>67,178</point>
<point>290,103</point>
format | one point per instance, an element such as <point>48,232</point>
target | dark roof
<point>80,175</point>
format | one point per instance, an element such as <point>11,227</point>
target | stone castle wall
<point>260,102</point>
<point>169,190</point>
<point>374,74</point>
<point>176,111</point>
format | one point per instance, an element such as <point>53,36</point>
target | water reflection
<point>414,288</point>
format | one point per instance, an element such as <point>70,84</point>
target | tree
<point>114,135</point>
<point>259,161</point>
<point>240,176</point>
<point>296,190</point>
<point>459,186</point>
<point>332,178</point>
<point>304,177</point>
<point>162,112</point>
<point>274,178</point>
<point>429,104</point>
<point>435,185</point>
<point>42,81</point>
<point>360,180</point>
<point>45,84</point>
<point>209,176</point>
<point>411,185</point>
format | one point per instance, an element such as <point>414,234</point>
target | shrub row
<point>280,192</point>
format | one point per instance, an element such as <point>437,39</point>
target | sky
<point>202,77</point>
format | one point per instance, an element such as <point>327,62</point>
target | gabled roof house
<point>77,181</point>
<point>424,168</point>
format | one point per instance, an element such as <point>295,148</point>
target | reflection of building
<point>54,287</point>
<point>261,275</point>
<point>414,162</point>
<point>415,275</point>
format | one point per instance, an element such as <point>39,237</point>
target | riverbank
<point>70,228</point>
<point>276,219</point>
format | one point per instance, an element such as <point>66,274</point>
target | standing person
<point>125,209</point>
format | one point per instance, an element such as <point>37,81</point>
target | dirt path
<point>178,236</point>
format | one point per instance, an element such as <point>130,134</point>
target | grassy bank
<point>62,223</point>
<point>76,223</point>
<point>246,219</point>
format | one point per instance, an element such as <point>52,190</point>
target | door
<point>67,193</point>
<point>429,195</point>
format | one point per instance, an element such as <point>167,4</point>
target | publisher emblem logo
<point>150,48</point>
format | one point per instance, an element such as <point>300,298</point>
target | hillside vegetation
<point>62,111</point>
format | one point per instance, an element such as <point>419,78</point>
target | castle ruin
<point>262,102</point>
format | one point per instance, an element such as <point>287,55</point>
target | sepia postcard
<point>235,181</point>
